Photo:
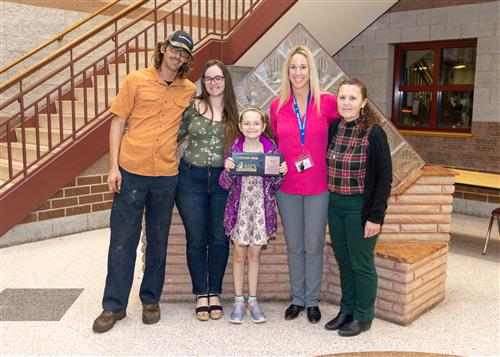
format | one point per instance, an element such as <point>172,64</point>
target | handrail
<point>57,122</point>
<point>9,83</point>
<point>58,37</point>
<point>59,103</point>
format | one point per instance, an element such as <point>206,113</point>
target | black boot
<point>338,321</point>
<point>354,328</point>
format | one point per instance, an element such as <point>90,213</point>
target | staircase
<point>52,132</point>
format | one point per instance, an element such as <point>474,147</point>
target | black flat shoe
<point>313,314</point>
<point>293,311</point>
<point>354,328</point>
<point>338,321</point>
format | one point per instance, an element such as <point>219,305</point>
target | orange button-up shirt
<point>153,111</point>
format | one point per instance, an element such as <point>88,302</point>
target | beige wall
<point>370,57</point>
<point>331,23</point>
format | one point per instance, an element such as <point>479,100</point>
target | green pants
<point>354,253</point>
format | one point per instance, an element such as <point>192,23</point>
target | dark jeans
<point>201,203</point>
<point>156,195</point>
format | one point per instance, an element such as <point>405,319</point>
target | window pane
<point>414,108</point>
<point>455,110</point>
<point>458,65</point>
<point>418,67</point>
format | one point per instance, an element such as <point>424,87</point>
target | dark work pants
<point>156,196</point>
<point>355,256</point>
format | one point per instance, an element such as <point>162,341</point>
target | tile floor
<point>466,323</point>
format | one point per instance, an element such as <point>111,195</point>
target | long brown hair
<point>230,111</point>
<point>264,118</point>
<point>158,59</point>
<point>366,116</point>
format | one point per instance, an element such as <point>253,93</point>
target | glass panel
<point>418,67</point>
<point>262,84</point>
<point>414,108</point>
<point>455,110</point>
<point>458,65</point>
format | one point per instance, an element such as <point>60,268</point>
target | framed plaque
<point>256,164</point>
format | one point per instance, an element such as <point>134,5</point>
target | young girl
<point>250,215</point>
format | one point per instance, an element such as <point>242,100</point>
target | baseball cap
<point>183,40</point>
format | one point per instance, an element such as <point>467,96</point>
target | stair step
<point>30,135</point>
<point>79,92</point>
<point>122,68</point>
<point>132,59</point>
<point>67,121</point>
<point>79,107</point>
<point>4,168</point>
<point>16,149</point>
<point>111,80</point>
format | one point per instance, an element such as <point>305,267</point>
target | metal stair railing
<point>58,37</point>
<point>53,116</point>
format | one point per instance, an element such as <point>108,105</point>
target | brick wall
<point>83,194</point>
<point>422,213</point>
<point>86,193</point>
<point>406,287</point>
<point>370,57</point>
<point>273,278</point>
<point>481,152</point>
<point>81,205</point>
<point>475,193</point>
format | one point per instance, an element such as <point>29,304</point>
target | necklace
<point>339,155</point>
<point>350,146</point>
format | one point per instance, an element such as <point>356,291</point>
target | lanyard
<point>300,122</point>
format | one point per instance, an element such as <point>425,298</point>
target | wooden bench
<point>411,279</point>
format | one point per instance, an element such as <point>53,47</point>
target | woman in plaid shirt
<point>359,181</point>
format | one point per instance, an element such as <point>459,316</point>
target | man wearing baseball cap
<point>143,175</point>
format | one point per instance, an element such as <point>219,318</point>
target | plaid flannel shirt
<point>346,159</point>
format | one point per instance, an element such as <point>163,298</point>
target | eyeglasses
<point>216,79</point>
<point>179,51</point>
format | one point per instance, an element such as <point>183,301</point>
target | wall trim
<point>53,228</point>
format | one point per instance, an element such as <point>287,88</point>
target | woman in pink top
<point>300,117</point>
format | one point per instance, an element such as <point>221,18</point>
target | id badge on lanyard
<point>304,161</point>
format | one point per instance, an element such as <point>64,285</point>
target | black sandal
<point>215,311</point>
<point>202,312</point>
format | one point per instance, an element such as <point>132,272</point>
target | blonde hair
<point>313,76</point>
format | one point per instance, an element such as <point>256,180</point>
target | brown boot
<point>107,319</point>
<point>150,313</point>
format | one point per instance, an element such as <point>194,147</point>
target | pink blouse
<point>286,131</point>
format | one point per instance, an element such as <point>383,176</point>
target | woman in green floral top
<point>211,124</point>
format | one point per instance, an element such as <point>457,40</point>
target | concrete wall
<point>331,23</point>
<point>24,27</point>
<point>370,57</point>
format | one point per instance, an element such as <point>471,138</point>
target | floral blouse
<point>206,138</point>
